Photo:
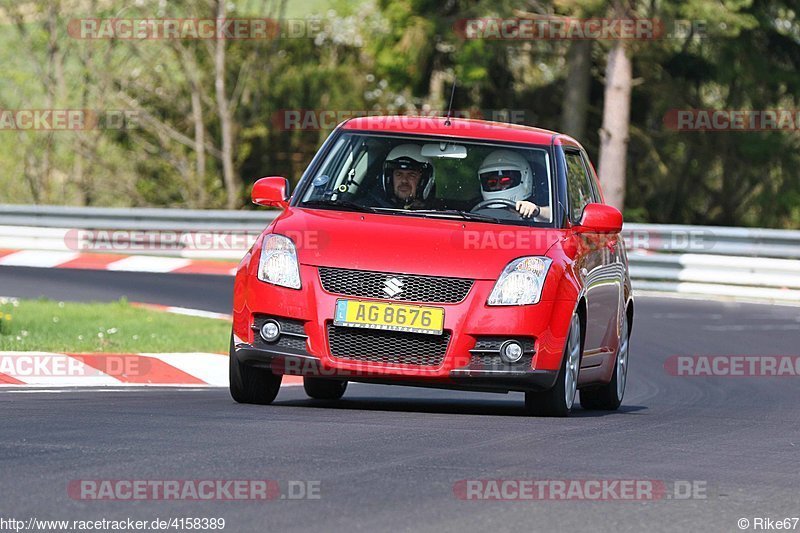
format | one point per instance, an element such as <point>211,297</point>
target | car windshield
<point>434,177</point>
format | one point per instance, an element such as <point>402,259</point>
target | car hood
<point>409,244</point>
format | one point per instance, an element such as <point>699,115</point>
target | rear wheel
<point>250,384</point>
<point>324,389</point>
<point>558,400</point>
<point>609,397</point>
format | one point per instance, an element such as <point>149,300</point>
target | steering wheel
<point>495,201</point>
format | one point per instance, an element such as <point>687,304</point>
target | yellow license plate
<point>393,317</point>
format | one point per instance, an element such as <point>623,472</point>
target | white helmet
<point>505,175</point>
<point>409,156</point>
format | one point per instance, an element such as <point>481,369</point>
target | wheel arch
<point>581,308</point>
<point>629,309</point>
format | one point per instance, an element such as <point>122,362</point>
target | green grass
<point>118,327</point>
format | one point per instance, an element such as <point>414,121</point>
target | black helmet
<point>409,157</point>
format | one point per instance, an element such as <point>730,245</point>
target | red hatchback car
<point>428,252</point>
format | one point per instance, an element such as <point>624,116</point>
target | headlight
<point>521,282</point>
<point>278,263</point>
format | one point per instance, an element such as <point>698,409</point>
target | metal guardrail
<point>134,218</point>
<point>716,240</point>
<point>779,273</point>
<point>715,275</point>
<point>725,261</point>
<point>753,263</point>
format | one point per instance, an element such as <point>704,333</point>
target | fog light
<point>270,331</point>
<point>511,351</point>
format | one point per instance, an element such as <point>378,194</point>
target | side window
<point>350,167</point>
<point>595,191</point>
<point>579,189</point>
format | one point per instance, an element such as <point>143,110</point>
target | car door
<point>613,271</point>
<point>594,264</point>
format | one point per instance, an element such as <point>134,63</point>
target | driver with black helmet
<point>408,178</point>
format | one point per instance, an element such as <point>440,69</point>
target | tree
<point>576,89</point>
<point>616,119</point>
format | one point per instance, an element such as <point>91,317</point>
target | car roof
<point>459,127</point>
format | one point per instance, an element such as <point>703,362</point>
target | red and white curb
<point>48,369</point>
<point>116,262</point>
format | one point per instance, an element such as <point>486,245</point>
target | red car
<point>457,254</point>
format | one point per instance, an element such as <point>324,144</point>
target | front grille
<point>388,347</point>
<point>412,288</point>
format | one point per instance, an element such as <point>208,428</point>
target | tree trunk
<point>576,93</point>
<point>54,94</point>
<point>436,93</point>
<point>225,120</point>
<point>199,148</point>
<point>616,121</point>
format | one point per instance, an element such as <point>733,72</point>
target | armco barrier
<point>745,263</point>
<point>36,227</point>
<point>716,240</point>
<point>722,261</point>
<point>144,218</point>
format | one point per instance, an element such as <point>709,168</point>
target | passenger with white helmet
<point>507,177</point>
<point>408,177</point>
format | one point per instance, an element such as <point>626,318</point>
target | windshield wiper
<point>428,213</point>
<point>451,212</point>
<point>341,205</point>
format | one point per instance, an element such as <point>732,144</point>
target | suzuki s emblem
<point>392,287</point>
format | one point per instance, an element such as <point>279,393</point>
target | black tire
<point>324,389</point>
<point>249,384</point>
<point>554,402</point>
<point>608,397</point>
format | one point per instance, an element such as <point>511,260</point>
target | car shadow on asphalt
<point>453,406</point>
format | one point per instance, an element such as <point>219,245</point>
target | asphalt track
<point>210,293</point>
<point>387,458</point>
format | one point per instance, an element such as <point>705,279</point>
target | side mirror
<point>600,218</point>
<point>272,191</point>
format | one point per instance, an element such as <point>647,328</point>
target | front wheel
<point>558,401</point>
<point>250,384</point>
<point>609,397</point>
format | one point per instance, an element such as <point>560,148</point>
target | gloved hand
<point>527,209</point>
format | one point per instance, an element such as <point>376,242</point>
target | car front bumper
<point>486,380</point>
<point>468,322</point>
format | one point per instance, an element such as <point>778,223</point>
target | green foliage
<point>397,56</point>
